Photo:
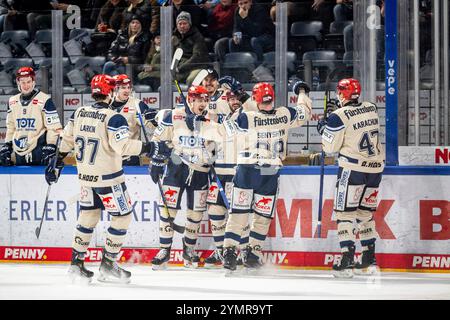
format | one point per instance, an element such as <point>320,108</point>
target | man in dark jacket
<point>253,29</point>
<point>195,52</point>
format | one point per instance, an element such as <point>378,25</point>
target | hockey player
<point>130,107</point>
<point>262,137</point>
<point>187,170</point>
<point>225,163</point>
<point>100,137</point>
<point>353,131</point>
<point>237,100</point>
<point>32,124</point>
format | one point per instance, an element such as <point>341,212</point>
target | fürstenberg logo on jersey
<point>270,121</point>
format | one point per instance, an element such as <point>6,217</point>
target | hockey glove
<point>300,85</point>
<point>321,125</point>
<point>231,84</point>
<point>156,170</point>
<point>150,115</point>
<point>5,154</point>
<point>192,119</point>
<point>156,150</point>
<point>48,152</point>
<point>53,170</point>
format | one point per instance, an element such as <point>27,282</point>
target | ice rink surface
<point>48,281</point>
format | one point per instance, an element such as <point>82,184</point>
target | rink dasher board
<point>413,224</point>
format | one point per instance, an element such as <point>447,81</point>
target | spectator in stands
<point>107,26</point>
<point>128,48</point>
<point>4,9</point>
<point>253,29</point>
<point>198,17</point>
<point>151,73</point>
<point>207,5</point>
<point>147,10</point>
<point>291,9</point>
<point>19,10</point>
<point>195,53</point>
<point>111,15</point>
<point>220,26</point>
<point>343,10</point>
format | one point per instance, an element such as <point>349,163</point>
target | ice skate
<point>229,259</point>
<point>190,257</point>
<point>77,272</point>
<point>252,261</point>
<point>215,260</point>
<point>241,257</point>
<point>160,261</point>
<point>344,268</point>
<point>368,264</point>
<point>111,272</point>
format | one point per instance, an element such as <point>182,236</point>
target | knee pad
<point>346,231</point>
<point>192,226</point>
<point>84,230</point>
<point>89,218</point>
<point>195,216</point>
<point>366,227</point>
<point>172,213</point>
<point>258,231</point>
<point>216,210</point>
<point>116,234</point>
<point>165,228</point>
<point>234,227</point>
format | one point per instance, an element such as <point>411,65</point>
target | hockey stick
<point>38,229</point>
<point>322,154</point>
<point>176,227</point>
<point>176,58</point>
<point>200,77</point>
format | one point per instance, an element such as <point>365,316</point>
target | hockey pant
<point>116,201</point>
<point>180,178</point>
<point>254,191</point>
<point>355,200</point>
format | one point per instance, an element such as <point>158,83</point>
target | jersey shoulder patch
<point>117,122</point>
<point>334,123</point>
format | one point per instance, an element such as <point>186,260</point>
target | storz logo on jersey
<point>190,141</point>
<point>121,134</point>
<point>25,123</point>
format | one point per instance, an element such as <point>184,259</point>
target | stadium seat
<point>95,64</point>
<point>305,36</point>
<point>12,64</point>
<point>142,88</point>
<point>325,60</point>
<point>43,36</point>
<point>6,80</point>
<point>17,40</point>
<point>20,37</point>
<point>239,65</point>
<point>269,60</point>
<point>335,39</point>
<point>81,32</point>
